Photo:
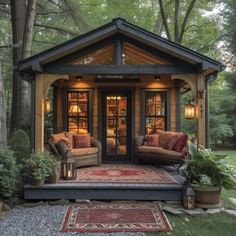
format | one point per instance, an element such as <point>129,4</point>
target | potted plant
<point>208,172</point>
<point>39,167</point>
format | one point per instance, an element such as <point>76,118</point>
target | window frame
<point>89,107</point>
<point>167,115</point>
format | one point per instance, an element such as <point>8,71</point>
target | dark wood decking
<point>108,191</point>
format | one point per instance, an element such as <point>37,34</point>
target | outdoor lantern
<point>189,111</point>
<point>188,198</point>
<point>48,105</point>
<point>68,170</point>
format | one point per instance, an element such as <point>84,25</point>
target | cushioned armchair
<point>83,156</point>
<point>160,154</point>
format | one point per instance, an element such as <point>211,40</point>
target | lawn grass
<point>226,194</point>
<point>207,225</point>
<point>218,225</point>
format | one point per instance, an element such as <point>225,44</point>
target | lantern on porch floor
<point>189,111</point>
<point>188,198</point>
<point>68,170</point>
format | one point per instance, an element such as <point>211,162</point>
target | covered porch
<point>116,82</point>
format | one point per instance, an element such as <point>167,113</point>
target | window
<point>78,112</point>
<point>155,111</point>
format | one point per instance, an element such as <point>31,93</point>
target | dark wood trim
<point>90,106</point>
<point>178,109</point>
<point>105,191</point>
<point>118,52</point>
<point>118,69</point>
<point>116,80</point>
<point>142,108</point>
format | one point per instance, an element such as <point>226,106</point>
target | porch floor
<point>167,186</point>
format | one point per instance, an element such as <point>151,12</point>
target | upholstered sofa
<point>87,156</point>
<point>162,153</point>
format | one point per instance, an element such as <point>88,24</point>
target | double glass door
<point>116,117</point>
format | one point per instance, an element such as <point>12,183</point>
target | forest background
<point>28,27</point>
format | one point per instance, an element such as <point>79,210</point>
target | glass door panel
<point>116,126</point>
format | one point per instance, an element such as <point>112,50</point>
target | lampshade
<point>47,105</point>
<point>189,111</point>
<point>74,108</point>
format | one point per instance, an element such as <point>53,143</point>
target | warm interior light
<point>189,111</point>
<point>74,108</point>
<point>48,105</point>
<point>157,77</point>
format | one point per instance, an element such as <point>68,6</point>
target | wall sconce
<point>68,170</point>
<point>189,111</point>
<point>157,78</point>
<point>188,198</point>
<point>47,105</point>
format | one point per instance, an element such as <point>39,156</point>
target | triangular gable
<point>121,27</point>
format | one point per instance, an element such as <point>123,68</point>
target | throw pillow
<point>68,143</point>
<point>70,137</point>
<point>57,137</point>
<point>181,142</point>
<point>82,141</point>
<point>152,140</point>
<point>171,141</point>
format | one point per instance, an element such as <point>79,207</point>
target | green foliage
<point>20,144</point>
<point>39,167</point>
<point>208,168</point>
<point>8,173</point>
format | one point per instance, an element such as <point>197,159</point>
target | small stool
<point>68,170</point>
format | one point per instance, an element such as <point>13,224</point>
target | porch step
<point>105,191</point>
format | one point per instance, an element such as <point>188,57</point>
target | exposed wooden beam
<point>119,69</point>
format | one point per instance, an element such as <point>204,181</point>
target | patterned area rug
<point>115,218</point>
<point>121,173</point>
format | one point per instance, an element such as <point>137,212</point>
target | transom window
<point>155,111</point>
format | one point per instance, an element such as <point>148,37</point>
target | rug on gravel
<point>121,173</point>
<point>146,217</point>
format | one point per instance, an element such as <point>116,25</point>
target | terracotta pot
<point>207,196</point>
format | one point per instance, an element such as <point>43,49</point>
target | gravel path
<point>40,221</point>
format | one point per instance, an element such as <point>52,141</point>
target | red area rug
<point>115,218</point>
<point>121,173</point>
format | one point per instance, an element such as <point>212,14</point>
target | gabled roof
<point>119,26</point>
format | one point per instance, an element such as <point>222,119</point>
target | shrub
<point>8,173</point>
<point>20,144</point>
<point>39,167</point>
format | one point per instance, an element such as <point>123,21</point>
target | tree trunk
<point>3,127</point>
<point>18,13</point>
<point>22,28</point>
<point>26,52</point>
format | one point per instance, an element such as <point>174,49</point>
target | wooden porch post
<point>201,110</point>
<point>42,83</point>
<point>197,85</point>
